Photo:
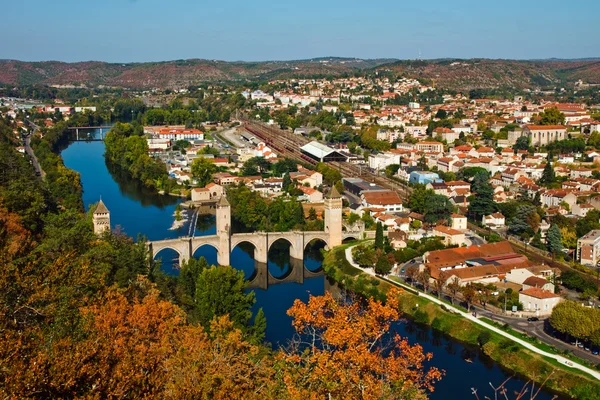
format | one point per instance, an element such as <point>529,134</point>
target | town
<point>486,203</point>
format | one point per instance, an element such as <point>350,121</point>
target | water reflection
<point>133,189</point>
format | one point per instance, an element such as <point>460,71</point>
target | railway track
<point>288,145</point>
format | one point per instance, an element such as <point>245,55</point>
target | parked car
<point>533,319</point>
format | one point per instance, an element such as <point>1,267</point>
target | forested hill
<point>452,74</point>
<point>484,73</point>
<point>172,74</point>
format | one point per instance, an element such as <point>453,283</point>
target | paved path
<point>469,316</point>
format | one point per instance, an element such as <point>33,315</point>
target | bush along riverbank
<point>502,350</point>
<point>127,148</point>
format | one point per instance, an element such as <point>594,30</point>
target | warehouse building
<point>322,153</point>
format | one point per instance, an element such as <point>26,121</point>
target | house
<point>588,248</point>
<point>200,194</point>
<point>387,199</point>
<point>458,222</point>
<point>538,301</point>
<point>493,221</point>
<point>438,188</point>
<point>537,282</point>
<point>224,178</point>
<point>452,237</point>
<point>554,197</point>
<point>310,195</point>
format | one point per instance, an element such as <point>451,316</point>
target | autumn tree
<point>440,283</point>
<point>453,288</point>
<point>469,295</point>
<point>340,353</point>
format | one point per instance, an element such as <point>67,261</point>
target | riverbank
<point>507,352</point>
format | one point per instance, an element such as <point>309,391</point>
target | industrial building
<point>322,153</point>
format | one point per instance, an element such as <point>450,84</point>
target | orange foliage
<point>342,354</point>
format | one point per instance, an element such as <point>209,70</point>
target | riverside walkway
<point>562,360</point>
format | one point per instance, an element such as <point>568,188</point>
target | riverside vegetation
<point>83,316</point>
<point>502,350</point>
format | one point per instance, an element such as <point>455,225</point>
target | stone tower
<point>224,229</point>
<point>101,218</point>
<point>333,217</point>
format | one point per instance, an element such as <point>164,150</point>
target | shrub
<point>483,338</point>
<point>421,317</point>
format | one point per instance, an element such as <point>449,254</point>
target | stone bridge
<point>224,241</point>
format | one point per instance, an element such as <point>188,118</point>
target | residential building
<point>494,221</point>
<point>430,147</point>
<point>180,134</point>
<point>452,237</point>
<point>459,222</point>
<point>538,301</point>
<point>588,248</point>
<point>387,199</point>
<point>423,177</point>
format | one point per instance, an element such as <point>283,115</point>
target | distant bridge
<point>101,128</point>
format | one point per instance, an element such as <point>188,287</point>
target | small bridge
<point>101,128</point>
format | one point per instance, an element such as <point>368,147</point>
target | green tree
<point>437,208</point>
<point>594,140</point>
<point>364,256</point>
<point>554,239</point>
<point>383,266</point>
<point>548,176</point>
<point>552,116</point>
<point>482,202</point>
<point>222,291</point>
<point>379,236</point>
<point>418,198</point>
<point>287,182</point>
<point>203,170</point>
<point>256,166</point>
<point>522,143</point>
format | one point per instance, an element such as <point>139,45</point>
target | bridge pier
<point>77,133</point>
<point>223,256</point>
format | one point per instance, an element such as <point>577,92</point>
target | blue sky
<point>253,30</point>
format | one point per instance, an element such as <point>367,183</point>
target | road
<point>36,164</point>
<point>536,329</point>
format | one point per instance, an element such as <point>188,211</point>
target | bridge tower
<point>101,218</point>
<point>224,230</point>
<point>333,217</point>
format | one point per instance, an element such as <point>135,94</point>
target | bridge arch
<point>243,258</point>
<point>207,250</point>
<point>170,259</point>
<point>313,256</point>
<point>279,255</point>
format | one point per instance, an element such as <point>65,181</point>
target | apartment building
<point>588,248</point>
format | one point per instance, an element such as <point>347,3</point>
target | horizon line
<point>393,59</point>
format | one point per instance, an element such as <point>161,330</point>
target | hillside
<point>485,73</point>
<point>171,74</point>
<point>452,74</point>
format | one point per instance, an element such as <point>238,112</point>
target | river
<point>135,210</point>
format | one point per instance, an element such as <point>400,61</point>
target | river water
<point>135,210</point>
